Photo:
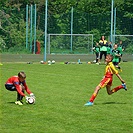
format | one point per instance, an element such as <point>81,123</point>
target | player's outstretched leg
<point>90,102</point>
<point>124,86</point>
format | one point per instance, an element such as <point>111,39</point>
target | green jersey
<point>96,49</point>
<point>116,55</point>
<point>120,49</point>
<point>108,50</point>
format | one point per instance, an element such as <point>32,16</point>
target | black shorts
<point>115,63</point>
<point>10,87</point>
<point>103,53</point>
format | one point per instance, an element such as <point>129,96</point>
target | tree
<point>90,16</point>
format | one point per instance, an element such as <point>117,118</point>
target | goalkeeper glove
<point>32,95</point>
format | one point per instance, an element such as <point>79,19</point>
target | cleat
<point>18,103</point>
<point>21,101</point>
<point>124,86</point>
<point>89,104</point>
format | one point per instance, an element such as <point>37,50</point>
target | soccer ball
<point>49,62</point>
<point>42,62</point>
<point>30,100</point>
<point>53,61</point>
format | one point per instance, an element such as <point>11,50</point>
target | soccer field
<point>61,92</point>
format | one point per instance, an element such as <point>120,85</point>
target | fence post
<point>26,26</point>
<point>71,29</point>
<point>31,28</point>
<point>45,41</point>
<point>35,31</point>
<point>114,24</point>
<point>111,20</point>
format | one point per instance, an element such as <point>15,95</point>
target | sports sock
<point>19,97</point>
<point>93,97</point>
<point>117,88</point>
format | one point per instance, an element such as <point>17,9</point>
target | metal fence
<point>13,29</point>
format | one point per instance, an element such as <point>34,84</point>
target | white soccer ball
<point>49,62</point>
<point>30,100</point>
<point>53,61</point>
<point>42,62</point>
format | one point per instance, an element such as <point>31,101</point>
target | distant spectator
<point>103,50</point>
<point>121,49</point>
<point>96,49</point>
<point>116,55</point>
<point>109,48</point>
<point>37,47</point>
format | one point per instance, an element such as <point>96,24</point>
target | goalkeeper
<point>17,83</point>
<point>107,81</point>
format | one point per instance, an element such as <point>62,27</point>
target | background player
<point>103,50</point>
<point>116,56</point>
<point>107,80</point>
<point>121,49</point>
<point>96,49</point>
<point>17,83</point>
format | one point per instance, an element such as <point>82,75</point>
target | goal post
<point>70,43</point>
<point>127,42</point>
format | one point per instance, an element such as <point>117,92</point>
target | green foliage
<point>18,49</point>
<point>96,33</point>
<point>129,49</point>
<point>89,16</point>
<point>2,44</point>
<point>61,92</point>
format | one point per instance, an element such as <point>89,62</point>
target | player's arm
<point>94,49</point>
<point>106,44</point>
<point>101,43</point>
<point>120,78</point>
<point>116,73</point>
<point>27,89</point>
<point>119,54</point>
<point>19,90</point>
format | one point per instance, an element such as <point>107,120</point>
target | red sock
<point>117,88</point>
<point>93,97</point>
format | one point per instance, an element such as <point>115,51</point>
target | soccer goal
<point>70,43</point>
<point>127,42</point>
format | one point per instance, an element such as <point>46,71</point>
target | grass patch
<point>61,92</point>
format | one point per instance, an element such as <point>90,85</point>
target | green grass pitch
<point>61,92</point>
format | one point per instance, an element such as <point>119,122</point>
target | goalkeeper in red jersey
<point>17,83</point>
<point>107,81</point>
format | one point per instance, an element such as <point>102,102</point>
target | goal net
<point>127,42</point>
<point>70,43</point>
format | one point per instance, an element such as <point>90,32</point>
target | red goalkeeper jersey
<point>14,80</point>
<point>110,70</point>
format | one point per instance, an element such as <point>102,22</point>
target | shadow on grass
<point>11,102</point>
<point>113,103</point>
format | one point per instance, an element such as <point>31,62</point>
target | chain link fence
<point>13,30</point>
